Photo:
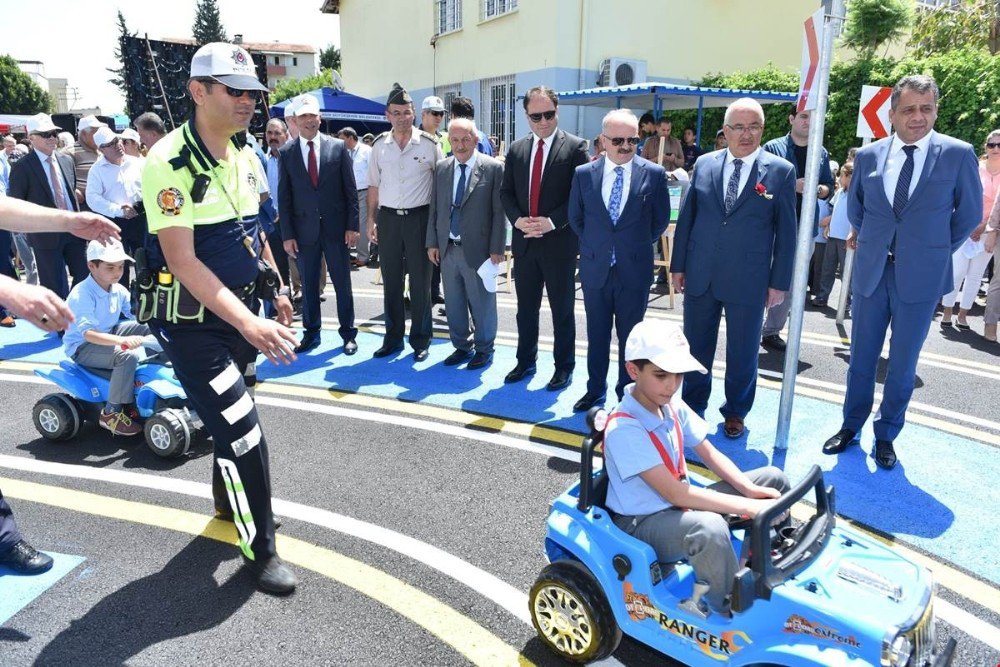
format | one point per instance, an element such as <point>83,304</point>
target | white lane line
<point>967,623</point>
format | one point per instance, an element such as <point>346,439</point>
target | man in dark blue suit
<point>734,250</point>
<point>915,197</point>
<point>318,201</point>
<point>618,206</point>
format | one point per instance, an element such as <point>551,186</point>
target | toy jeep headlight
<point>896,653</point>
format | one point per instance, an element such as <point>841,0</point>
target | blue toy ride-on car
<point>170,424</point>
<point>817,594</point>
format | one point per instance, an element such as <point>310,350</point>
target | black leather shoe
<point>587,402</point>
<point>773,342</point>
<point>457,357</point>
<point>845,438</point>
<point>272,575</point>
<point>420,355</point>
<point>885,455</point>
<point>386,350</point>
<point>350,347</point>
<point>560,380</point>
<point>22,557</point>
<point>479,360</point>
<point>309,342</point>
<point>437,300</point>
<point>519,373</point>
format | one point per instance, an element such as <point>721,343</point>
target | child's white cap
<point>112,252</point>
<point>663,343</point>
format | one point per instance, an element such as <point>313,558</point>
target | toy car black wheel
<point>167,433</point>
<point>571,614</point>
<point>57,417</point>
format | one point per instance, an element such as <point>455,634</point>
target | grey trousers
<point>834,256</point>
<point>362,245</point>
<point>992,315</point>
<point>27,256</point>
<point>122,363</point>
<point>700,538</point>
<point>464,292</point>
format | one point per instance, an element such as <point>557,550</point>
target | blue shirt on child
<point>94,309</point>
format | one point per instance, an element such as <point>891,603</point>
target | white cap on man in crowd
<point>663,343</point>
<point>40,122</point>
<point>130,134</point>
<point>112,252</point>
<point>307,105</point>
<point>104,136</point>
<point>432,103</point>
<point>89,123</point>
<point>228,64</point>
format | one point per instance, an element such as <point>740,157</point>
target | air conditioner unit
<point>621,72</point>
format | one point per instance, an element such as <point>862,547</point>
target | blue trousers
<point>6,263</point>
<point>9,533</point>
<point>624,306</point>
<point>338,261</point>
<point>871,318</point>
<point>702,315</point>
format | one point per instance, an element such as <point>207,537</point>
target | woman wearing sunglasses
<point>969,261</point>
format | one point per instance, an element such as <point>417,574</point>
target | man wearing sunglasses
<point>202,202</point>
<point>618,206</point>
<point>537,177</point>
<point>431,118</point>
<point>46,177</point>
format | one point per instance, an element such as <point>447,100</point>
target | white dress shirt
<point>273,174</point>
<point>727,170</point>
<point>111,186</point>
<point>470,166</point>
<point>359,157</point>
<point>546,146</point>
<point>895,159</point>
<point>304,147</point>
<point>48,177</point>
<point>608,182</point>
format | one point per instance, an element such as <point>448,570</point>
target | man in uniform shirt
<point>359,159</point>
<point>400,179</point>
<point>201,195</point>
<point>85,153</point>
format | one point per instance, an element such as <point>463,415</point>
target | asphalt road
<point>151,593</point>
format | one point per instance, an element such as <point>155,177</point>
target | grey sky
<point>77,39</point>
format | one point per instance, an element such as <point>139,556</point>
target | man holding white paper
<point>466,228</point>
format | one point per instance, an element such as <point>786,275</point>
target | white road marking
<point>967,623</point>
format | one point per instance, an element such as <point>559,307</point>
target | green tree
<point>971,24</point>
<point>19,94</point>
<point>872,23</point>
<point>292,87</point>
<point>118,78</point>
<point>207,23</point>
<point>329,58</point>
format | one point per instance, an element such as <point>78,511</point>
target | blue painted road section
<point>934,499</point>
<point>18,590</point>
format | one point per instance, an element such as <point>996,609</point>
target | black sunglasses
<point>439,114</point>
<point>232,92</point>
<point>992,145</point>
<point>537,117</point>
<point>51,134</point>
<point>618,141</point>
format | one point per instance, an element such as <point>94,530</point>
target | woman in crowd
<point>970,260</point>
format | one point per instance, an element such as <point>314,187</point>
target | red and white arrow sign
<point>873,113</point>
<point>808,75</point>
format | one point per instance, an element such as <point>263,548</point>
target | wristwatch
<point>285,291</point>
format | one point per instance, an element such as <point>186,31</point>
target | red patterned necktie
<point>536,179</point>
<point>313,170</point>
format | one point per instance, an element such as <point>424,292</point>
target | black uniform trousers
<point>402,243</point>
<point>133,237</point>
<point>9,533</point>
<point>215,365</point>
<point>532,272</point>
<point>338,263</point>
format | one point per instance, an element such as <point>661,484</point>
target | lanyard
<point>679,472</point>
<point>247,241</point>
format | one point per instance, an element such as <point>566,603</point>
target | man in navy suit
<point>618,206</point>
<point>915,197</point>
<point>48,178</point>
<point>318,201</point>
<point>734,250</point>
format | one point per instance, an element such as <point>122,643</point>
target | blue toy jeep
<point>817,594</point>
<point>160,399</point>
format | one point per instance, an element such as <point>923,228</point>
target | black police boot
<point>272,575</point>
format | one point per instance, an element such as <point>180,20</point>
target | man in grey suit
<point>466,227</point>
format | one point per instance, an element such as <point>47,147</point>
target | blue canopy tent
<point>339,109</point>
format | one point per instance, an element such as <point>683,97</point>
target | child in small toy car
<point>649,495</point>
<point>106,335</point>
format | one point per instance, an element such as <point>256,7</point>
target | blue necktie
<point>733,187</point>
<point>903,184</point>
<point>456,231</point>
<point>615,201</point>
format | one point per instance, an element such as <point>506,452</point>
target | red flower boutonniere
<point>762,191</point>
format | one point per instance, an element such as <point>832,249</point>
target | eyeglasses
<point>740,129</point>
<point>52,134</point>
<point>537,117</point>
<point>992,145</point>
<point>618,141</point>
<point>437,114</point>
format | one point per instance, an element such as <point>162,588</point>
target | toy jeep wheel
<point>57,417</point>
<point>167,433</point>
<point>571,614</point>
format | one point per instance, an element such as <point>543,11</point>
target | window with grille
<point>447,94</point>
<point>448,16</point>
<point>499,108</point>
<point>493,8</point>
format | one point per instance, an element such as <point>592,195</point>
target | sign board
<point>809,74</point>
<point>873,112</point>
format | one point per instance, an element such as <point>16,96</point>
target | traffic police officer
<point>400,180</point>
<point>201,290</point>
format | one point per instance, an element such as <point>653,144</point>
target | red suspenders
<point>679,472</point>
